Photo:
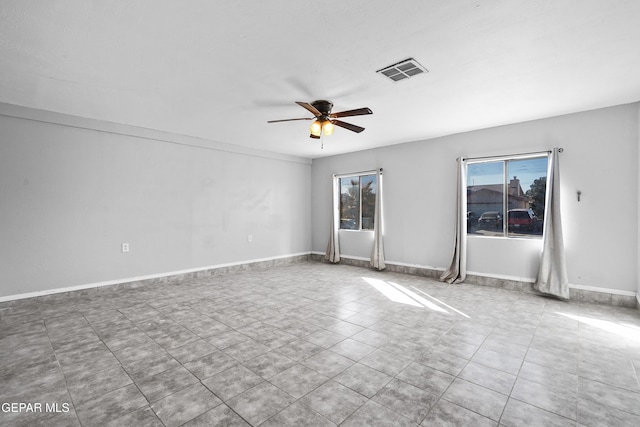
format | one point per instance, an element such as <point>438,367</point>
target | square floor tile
<point>152,366</point>
<point>502,362</point>
<point>609,396</point>
<point>476,398</point>
<point>246,350</point>
<point>561,402</point>
<point>231,382</point>
<point>388,363</point>
<point>180,407</point>
<point>328,363</point>
<point>226,339</point>
<point>518,413</point>
<point>362,320</point>
<point>324,338</point>
<point>442,361</point>
<point>490,378</point>
<point>299,350</point>
<point>165,383</point>
<point>371,337</point>
<point>269,364</point>
<point>210,364</point>
<point>259,403</point>
<point>140,417</point>
<point>557,360</point>
<point>621,375</point>
<point>85,386</point>
<point>448,414</point>
<point>298,380</point>
<point>334,401</point>
<point>404,347</point>
<point>99,411</point>
<point>363,379</point>
<point>219,416</point>
<point>354,350</point>
<point>344,328</point>
<point>501,344</point>
<point>297,415</point>
<point>406,399</point>
<point>277,339</point>
<point>375,415</point>
<point>591,413</point>
<point>426,378</point>
<point>451,345</point>
<point>549,377</point>
<point>192,351</point>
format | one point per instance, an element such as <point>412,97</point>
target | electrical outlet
<point>250,238</point>
<point>125,247</point>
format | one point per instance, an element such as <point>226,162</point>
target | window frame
<point>506,234</point>
<point>358,175</point>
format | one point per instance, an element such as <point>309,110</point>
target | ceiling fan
<point>325,120</point>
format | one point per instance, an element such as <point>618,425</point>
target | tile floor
<point>312,344</point>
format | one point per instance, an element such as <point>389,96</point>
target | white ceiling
<point>220,69</point>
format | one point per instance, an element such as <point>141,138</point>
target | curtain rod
<point>371,172</point>
<point>560,150</point>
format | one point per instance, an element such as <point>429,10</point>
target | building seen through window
<point>507,197</point>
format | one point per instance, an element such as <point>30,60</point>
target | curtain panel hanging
<point>552,274</point>
<point>377,255</point>
<point>333,248</point>
<point>457,271</point>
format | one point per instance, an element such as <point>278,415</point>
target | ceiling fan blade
<point>309,107</point>
<point>349,126</point>
<point>356,112</point>
<point>289,120</point>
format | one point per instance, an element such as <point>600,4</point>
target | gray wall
<point>601,231</point>
<point>73,190</point>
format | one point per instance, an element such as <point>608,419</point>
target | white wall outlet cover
<point>125,247</point>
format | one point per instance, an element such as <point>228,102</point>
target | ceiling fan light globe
<point>316,128</point>
<point>328,128</point>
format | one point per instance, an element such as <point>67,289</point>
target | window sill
<point>481,236</point>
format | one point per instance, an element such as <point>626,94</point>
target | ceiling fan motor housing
<point>323,106</point>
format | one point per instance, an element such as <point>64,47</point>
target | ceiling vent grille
<point>403,70</point>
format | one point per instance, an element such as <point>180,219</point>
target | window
<point>506,197</point>
<point>357,202</point>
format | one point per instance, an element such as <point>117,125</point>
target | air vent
<point>403,70</point>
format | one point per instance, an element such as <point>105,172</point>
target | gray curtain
<point>333,248</point>
<point>457,271</point>
<point>552,275</point>
<point>377,255</point>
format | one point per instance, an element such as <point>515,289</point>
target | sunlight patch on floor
<point>400,294</point>
<point>441,303</point>
<point>390,292</point>
<point>623,329</point>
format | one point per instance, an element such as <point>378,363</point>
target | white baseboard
<point>503,277</point>
<point>499,276</point>
<point>604,290</point>
<point>140,278</point>
<point>253,261</point>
